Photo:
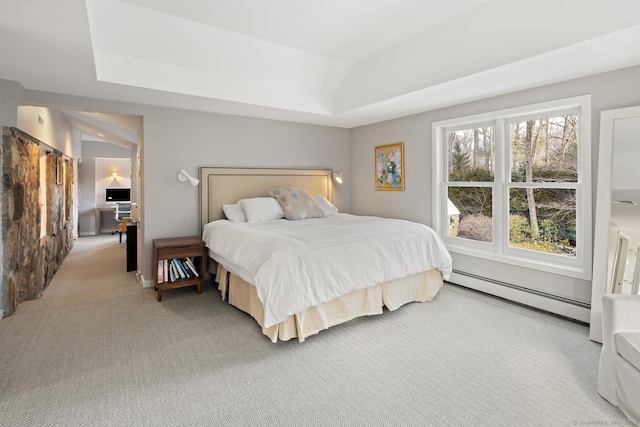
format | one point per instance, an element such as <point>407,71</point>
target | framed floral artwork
<point>390,167</point>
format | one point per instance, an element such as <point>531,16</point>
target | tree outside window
<point>538,188</point>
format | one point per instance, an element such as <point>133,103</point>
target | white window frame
<point>499,249</point>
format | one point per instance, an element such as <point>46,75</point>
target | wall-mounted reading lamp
<point>337,176</point>
<point>115,176</point>
<point>184,177</point>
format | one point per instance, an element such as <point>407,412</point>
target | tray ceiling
<point>333,62</point>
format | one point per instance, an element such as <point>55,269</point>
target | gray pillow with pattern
<point>297,203</point>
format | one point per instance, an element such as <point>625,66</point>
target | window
<point>514,186</point>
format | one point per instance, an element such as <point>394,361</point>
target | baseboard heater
<point>543,300</point>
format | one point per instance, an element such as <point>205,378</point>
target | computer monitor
<point>118,194</point>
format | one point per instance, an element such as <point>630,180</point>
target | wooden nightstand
<point>177,262</point>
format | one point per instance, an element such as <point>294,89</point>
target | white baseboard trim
<point>551,305</point>
<point>146,283</point>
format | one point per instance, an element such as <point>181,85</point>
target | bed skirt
<point>420,287</point>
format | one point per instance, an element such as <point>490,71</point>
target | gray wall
<point>11,95</point>
<point>176,140</point>
<point>87,200</point>
<point>104,149</point>
<point>54,130</point>
<point>610,90</point>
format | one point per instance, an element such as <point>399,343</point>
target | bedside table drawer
<point>180,251</point>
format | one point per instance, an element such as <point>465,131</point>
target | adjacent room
<point>486,149</point>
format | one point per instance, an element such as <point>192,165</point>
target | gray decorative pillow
<point>327,207</point>
<point>297,203</point>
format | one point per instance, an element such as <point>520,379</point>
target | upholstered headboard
<point>222,186</point>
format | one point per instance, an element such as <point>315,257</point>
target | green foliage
<point>471,200</point>
<point>539,246</point>
<point>556,206</point>
<point>519,229</point>
<point>469,174</point>
<point>458,158</point>
<point>542,174</point>
<point>549,242</point>
<point>549,230</point>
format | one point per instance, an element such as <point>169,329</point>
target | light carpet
<point>98,350</point>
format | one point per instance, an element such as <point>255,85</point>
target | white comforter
<point>295,265</point>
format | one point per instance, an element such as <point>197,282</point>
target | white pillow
<point>234,213</point>
<point>261,209</point>
<point>328,208</point>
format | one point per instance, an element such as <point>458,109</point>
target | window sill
<point>574,271</point>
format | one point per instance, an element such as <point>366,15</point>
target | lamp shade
<point>337,176</point>
<point>184,177</point>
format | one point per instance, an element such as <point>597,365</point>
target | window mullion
<point>444,178</point>
<point>501,208</point>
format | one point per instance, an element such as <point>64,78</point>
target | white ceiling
<point>338,63</point>
<point>116,129</point>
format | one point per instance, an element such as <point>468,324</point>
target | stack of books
<point>170,270</point>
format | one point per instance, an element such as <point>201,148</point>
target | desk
<point>99,211</point>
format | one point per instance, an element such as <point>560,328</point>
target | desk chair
<point>123,215</point>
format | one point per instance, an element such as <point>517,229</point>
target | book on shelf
<point>170,270</point>
<point>176,264</point>
<point>178,272</point>
<point>160,271</point>
<point>173,274</point>
<point>189,263</point>
<point>186,272</point>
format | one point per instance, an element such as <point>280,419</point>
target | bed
<point>297,278</point>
